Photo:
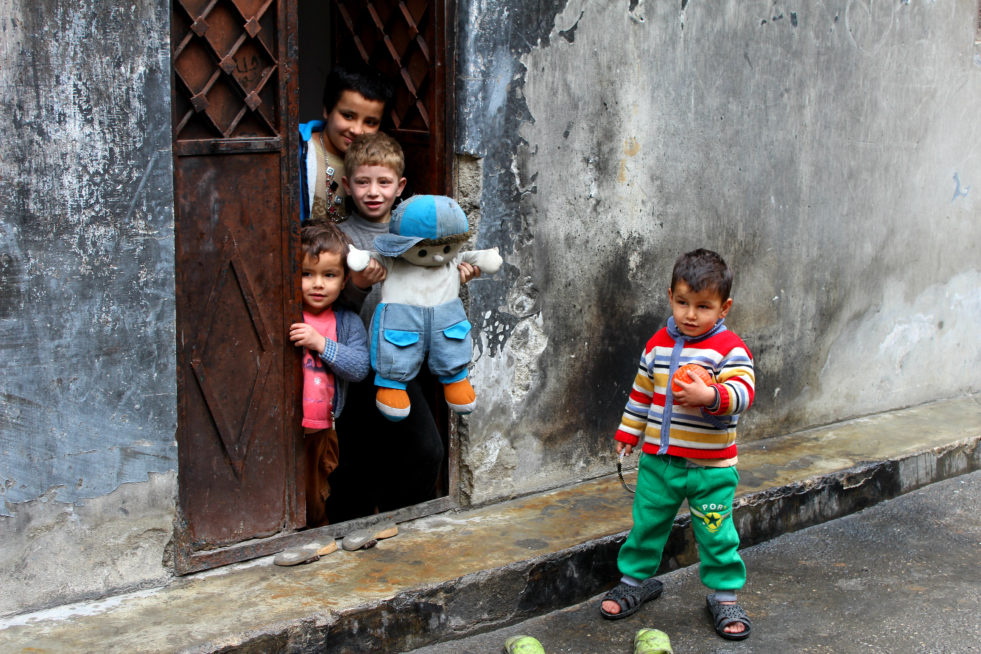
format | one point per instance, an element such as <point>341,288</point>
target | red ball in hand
<point>687,374</point>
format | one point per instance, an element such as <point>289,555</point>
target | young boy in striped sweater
<point>689,435</point>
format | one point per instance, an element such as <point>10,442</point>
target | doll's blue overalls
<point>402,335</point>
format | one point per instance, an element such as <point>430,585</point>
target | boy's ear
<point>347,186</point>
<point>725,307</point>
<point>401,187</point>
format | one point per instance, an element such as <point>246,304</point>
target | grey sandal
<point>630,598</point>
<point>724,615</point>
<point>363,539</point>
<point>305,554</point>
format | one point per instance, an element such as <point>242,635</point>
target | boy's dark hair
<point>703,269</point>
<point>353,77</point>
<point>375,149</point>
<point>318,236</point>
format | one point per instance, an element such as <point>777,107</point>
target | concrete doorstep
<point>463,572</point>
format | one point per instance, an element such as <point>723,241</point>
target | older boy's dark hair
<point>319,236</point>
<point>354,77</point>
<point>703,269</point>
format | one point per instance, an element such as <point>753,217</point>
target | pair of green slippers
<point>647,641</point>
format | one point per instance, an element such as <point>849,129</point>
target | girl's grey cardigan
<point>348,356</point>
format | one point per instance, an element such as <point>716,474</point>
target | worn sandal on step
<point>724,615</point>
<point>652,641</point>
<point>630,598</point>
<point>305,554</point>
<point>368,537</point>
<point>523,645</point>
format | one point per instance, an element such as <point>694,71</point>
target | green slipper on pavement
<point>523,645</point>
<point>652,641</point>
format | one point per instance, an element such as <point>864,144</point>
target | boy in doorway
<point>689,437</point>
<point>335,353</point>
<point>355,100</point>
<point>384,465</point>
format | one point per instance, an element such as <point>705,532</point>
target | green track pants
<point>663,483</point>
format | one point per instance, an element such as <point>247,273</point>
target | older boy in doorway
<point>355,100</point>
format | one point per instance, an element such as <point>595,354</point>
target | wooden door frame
<point>187,559</point>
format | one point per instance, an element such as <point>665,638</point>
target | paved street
<point>902,576</point>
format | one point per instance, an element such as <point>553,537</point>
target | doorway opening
<point>405,42</point>
<point>237,101</point>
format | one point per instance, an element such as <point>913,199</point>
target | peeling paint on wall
<point>87,394</point>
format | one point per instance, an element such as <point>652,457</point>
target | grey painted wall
<point>826,149</point>
<point>87,386</point>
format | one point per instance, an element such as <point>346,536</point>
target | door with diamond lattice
<point>235,115</point>
<point>234,127</point>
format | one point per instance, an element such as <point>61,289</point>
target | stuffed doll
<point>420,313</point>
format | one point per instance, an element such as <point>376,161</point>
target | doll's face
<point>431,255</point>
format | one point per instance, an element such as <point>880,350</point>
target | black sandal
<point>630,598</point>
<point>724,615</point>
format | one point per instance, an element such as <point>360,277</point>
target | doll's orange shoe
<point>460,396</point>
<point>393,403</point>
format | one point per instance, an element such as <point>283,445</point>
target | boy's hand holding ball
<point>691,386</point>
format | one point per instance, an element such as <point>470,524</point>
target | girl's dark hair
<point>703,269</point>
<point>318,236</point>
<point>353,77</point>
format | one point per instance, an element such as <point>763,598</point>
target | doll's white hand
<point>495,262</point>
<point>357,260</point>
<point>489,261</point>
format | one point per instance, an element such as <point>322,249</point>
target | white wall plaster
<point>902,349</point>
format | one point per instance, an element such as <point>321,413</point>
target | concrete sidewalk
<point>899,577</point>
<point>463,572</point>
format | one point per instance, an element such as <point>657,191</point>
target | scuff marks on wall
<point>959,191</point>
<point>907,338</point>
<point>631,147</point>
<point>636,10</point>
<point>489,116</point>
<point>87,399</point>
<point>570,34</point>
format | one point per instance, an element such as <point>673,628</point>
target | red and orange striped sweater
<point>690,432</point>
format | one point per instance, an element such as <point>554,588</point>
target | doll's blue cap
<point>419,218</point>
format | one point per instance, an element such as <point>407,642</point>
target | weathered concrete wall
<point>827,149</point>
<point>87,390</point>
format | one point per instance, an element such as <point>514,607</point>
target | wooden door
<point>235,172</point>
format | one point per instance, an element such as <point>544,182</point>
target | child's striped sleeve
<point>736,383</point>
<point>634,420</point>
